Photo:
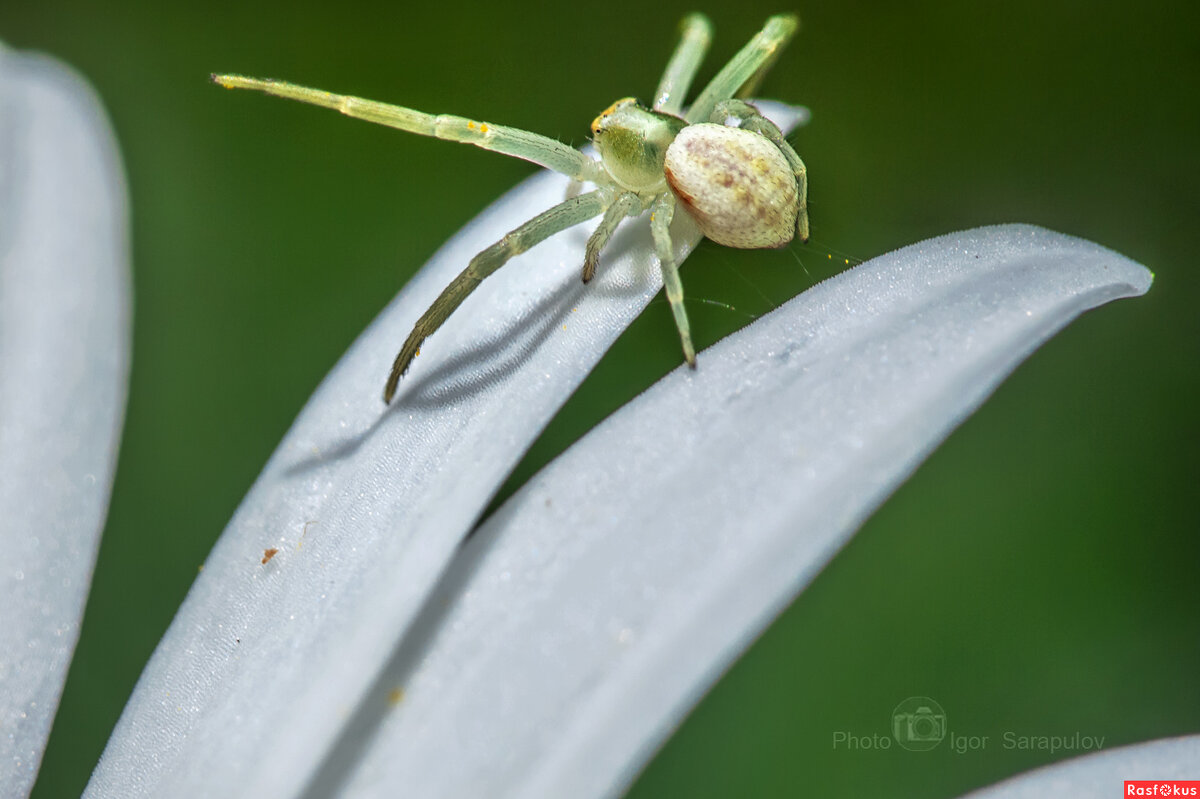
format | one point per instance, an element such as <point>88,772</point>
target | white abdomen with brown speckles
<point>736,185</point>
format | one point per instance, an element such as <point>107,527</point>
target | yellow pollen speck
<point>395,696</point>
<point>470,125</point>
<point>483,127</point>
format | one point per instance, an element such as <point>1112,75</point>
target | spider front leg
<point>541,227</point>
<point>752,120</point>
<point>518,143</point>
<point>660,224</point>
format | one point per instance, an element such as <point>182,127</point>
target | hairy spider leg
<point>660,225</point>
<point>626,204</point>
<point>695,36</point>
<point>541,150</point>
<point>741,76</point>
<point>562,216</point>
<point>754,121</point>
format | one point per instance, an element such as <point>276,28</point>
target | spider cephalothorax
<point>727,165</point>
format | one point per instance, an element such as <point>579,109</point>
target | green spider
<point>726,164</point>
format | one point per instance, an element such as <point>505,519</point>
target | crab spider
<point>727,165</point>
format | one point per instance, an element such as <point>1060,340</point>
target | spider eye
<point>599,123</point>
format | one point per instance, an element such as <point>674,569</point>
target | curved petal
<point>588,614</point>
<point>64,362</point>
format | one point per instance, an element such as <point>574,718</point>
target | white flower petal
<point>64,362</point>
<point>591,612</point>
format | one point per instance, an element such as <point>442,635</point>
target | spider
<point>726,164</point>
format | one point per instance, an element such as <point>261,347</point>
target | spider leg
<point>660,223</point>
<point>741,76</point>
<point>562,216</point>
<point>752,120</point>
<point>518,143</point>
<point>625,204</point>
<point>695,36</point>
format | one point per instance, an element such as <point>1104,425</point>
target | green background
<point>1041,572</point>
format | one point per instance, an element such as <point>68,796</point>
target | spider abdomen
<point>736,184</point>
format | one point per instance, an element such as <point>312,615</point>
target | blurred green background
<point>1041,572</point>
